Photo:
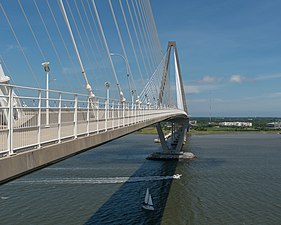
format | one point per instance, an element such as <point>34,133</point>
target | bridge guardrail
<point>29,120</point>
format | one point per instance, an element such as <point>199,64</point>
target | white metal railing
<point>30,124</point>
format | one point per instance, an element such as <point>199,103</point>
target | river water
<point>236,179</point>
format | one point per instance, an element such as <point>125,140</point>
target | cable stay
<point>121,95</point>
<point>76,32</point>
<point>145,37</point>
<point>151,86</point>
<point>129,72</point>
<point>64,43</point>
<point>132,45</point>
<point>88,86</point>
<point>97,61</point>
<point>20,46</point>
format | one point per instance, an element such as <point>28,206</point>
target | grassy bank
<point>196,132</point>
<point>147,130</point>
<point>205,126</point>
<point>151,130</point>
<point>210,130</point>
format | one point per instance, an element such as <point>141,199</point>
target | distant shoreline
<point>233,132</point>
<point>152,130</point>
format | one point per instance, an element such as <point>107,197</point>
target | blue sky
<point>65,69</point>
<point>230,54</point>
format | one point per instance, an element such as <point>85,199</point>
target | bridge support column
<point>172,143</point>
<point>182,135</point>
<point>162,138</point>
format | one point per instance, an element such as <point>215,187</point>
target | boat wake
<point>103,180</point>
<point>4,197</point>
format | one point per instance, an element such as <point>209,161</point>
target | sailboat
<point>147,204</point>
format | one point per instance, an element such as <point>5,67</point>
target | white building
<point>236,124</point>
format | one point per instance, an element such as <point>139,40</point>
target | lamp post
<point>47,70</point>
<point>128,75</point>
<point>107,86</point>
<point>126,61</point>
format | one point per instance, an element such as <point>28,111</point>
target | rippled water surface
<point>236,179</point>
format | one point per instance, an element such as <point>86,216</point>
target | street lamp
<point>107,86</point>
<point>126,61</point>
<point>128,75</point>
<point>47,70</point>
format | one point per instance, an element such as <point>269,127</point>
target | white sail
<point>150,201</point>
<point>148,204</point>
<point>146,198</point>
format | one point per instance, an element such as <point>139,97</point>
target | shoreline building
<point>236,124</point>
<point>274,125</point>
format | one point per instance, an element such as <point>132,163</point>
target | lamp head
<point>107,84</point>
<point>46,66</point>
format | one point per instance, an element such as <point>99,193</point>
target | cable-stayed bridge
<point>77,74</point>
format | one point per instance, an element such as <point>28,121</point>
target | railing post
<point>130,114</point>
<point>10,122</point>
<point>118,116</point>
<point>88,116</point>
<point>98,105</point>
<point>59,120</point>
<point>108,115</point>
<point>105,115</point>
<point>39,119</point>
<point>133,114</point>
<point>130,110</point>
<point>138,113</point>
<point>135,108</point>
<point>113,115</point>
<point>75,115</point>
<point>143,112</point>
<point>123,110</point>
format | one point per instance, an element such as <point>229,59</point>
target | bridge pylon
<point>173,142</point>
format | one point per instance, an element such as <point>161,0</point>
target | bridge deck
<point>58,142</point>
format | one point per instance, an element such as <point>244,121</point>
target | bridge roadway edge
<point>12,167</point>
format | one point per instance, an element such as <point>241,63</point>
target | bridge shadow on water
<point>124,206</point>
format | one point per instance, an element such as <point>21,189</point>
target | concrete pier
<point>171,156</point>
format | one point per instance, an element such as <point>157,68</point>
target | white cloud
<point>218,100</point>
<point>268,77</point>
<point>263,97</point>
<point>201,100</point>
<point>200,88</point>
<point>11,48</point>
<point>192,89</point>
<point>236,79</point>
<point>208,79</point>
<point>274,95</point>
